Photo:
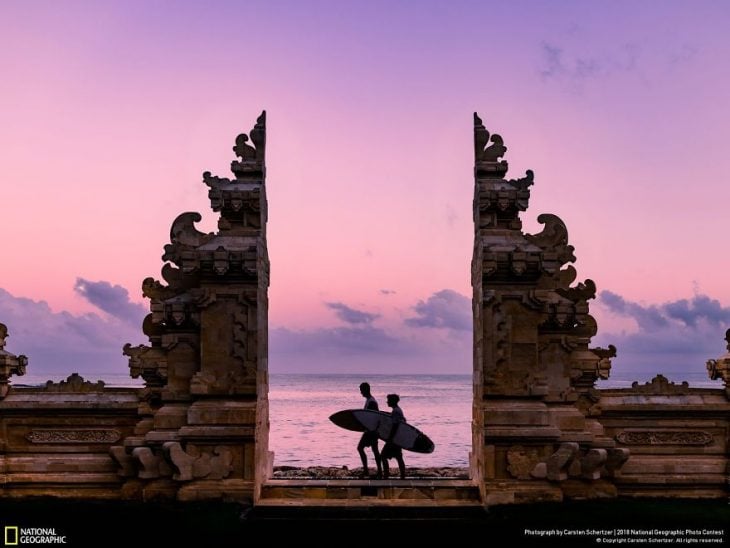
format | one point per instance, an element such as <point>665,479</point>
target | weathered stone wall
<point>55,440</point>
<point>678,438</point>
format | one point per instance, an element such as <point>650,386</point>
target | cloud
<point>689,312</point>
<point>700,307</point>
<point>573,65</point>
<point>444,309</point>
<point>673,337</point>
<point>351,315</point>
<point>387,292</point>
<point>558,63</point>
<point>112,299</point>
<point>648,317</point>
<point>682,54</point>
<point>553,66</point>
<point>59,343</point>
<point>363,348</point>
<point>337,341</point>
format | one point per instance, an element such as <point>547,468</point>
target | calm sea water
<point>440,405</point>
<point>302,435</point>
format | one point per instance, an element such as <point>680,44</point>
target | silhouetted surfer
<point>369,439</point>
<point>391,450</point>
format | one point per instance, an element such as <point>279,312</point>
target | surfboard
<point>406,436</point>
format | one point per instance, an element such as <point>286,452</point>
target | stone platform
<point>367,493</point>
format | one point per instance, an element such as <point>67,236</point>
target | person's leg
<point>363,457</point>
<point>386,470</point>
<point>401,466</point>
<point>377,457</point>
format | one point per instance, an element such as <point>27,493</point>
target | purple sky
<point>112,110</point>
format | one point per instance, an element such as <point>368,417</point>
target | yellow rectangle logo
<point>11,535</point>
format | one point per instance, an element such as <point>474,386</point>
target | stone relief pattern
<point>664,437</point>
<point>73,436</point>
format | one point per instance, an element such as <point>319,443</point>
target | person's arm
<point>397,418</point>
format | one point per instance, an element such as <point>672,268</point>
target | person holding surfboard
<point>390,449</point>
<point>369,439</point>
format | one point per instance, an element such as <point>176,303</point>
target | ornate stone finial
<point>252,158</point>
<point>486,158</point>
<point>242,201</point>
<point>660,386</point>
<point>74,383</point>
<point>10,364</point>
<point>720,368</point>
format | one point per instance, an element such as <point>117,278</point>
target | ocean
<point>302,435</point>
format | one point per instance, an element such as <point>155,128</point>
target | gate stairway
<point>393,497</point>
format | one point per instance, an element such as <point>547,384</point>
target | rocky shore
<point>343,472</point>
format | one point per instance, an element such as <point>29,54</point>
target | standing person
<point>391,450</point>
<point>369,439</point>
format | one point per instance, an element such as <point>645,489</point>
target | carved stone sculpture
<point>719,369</point>
<point>10,364</point>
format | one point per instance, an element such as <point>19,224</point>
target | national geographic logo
<point>15,535</point>
<point>11,536</point>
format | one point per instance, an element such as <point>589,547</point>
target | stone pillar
<point>203,429</point>
<point>10,364</point>
<point>534,372</point>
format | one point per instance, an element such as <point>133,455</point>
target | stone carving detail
<point>124,461</point>
<point>616,458</point>
<point>525,182</point>
<point>719,369</point>
<point>10,364</point>
<point>252,157</point>
<point>660,386</point>
<point>184,239</point>
<point>570,461</point>
<point>150,463</point>
<point>554,238</point>
<point>147,362</point>
<point>85,435</point>
<point>74,383</point>
<point>591,463</point>
<point>559,462</point>
<point>521,461</point>
<point>664,437</point>
<point>487,156</point>
<point>197,463</point>
<point>581,292</point>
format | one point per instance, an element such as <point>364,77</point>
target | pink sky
<point>111,111</point>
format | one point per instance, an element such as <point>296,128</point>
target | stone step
<point>368,493</point>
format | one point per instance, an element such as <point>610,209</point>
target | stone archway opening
<point>207,408</point>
